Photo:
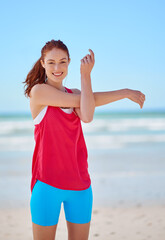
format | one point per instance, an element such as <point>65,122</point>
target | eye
<point>50,62</point>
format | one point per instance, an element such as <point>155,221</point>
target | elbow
<point>87,120</point>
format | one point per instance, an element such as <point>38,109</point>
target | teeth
<point>57,74</point>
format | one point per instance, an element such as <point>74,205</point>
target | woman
<point>59,164</point>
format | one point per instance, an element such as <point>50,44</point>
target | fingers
<point>137,97</point>
<point>89,57</point>
<point>87,63</point>
<point>92,55</point>
<point>142,96</point>
<point>141,99</point>
<point>82,60</point>
<point>85,60</point>
<point>141,104</point>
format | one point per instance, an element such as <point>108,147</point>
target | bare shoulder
<point>34,106</point>
<point>46,95</point>
<point>36,89</point>
<point>76,90</point>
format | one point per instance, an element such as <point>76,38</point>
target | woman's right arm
<point>43,94</point>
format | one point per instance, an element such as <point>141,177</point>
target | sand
<point>109,223</point>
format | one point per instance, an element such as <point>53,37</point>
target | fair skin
<point>84,102</point>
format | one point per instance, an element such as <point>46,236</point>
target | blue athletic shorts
<point>45,204</point>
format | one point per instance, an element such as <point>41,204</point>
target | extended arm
<point>103,98</point>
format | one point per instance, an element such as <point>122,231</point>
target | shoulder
<point>36,89</point>
<point>75,90</point>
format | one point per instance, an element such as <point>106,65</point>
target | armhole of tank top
<point>73,107</point>
<point>40,117</point>
<point>68,90</point>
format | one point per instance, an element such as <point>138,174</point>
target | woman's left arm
<point>103,98</point>
<point>89,100</point>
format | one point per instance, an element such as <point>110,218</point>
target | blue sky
<point>127,38</point>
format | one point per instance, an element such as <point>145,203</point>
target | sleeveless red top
<point>60,153</point>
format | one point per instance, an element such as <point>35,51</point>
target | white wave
<point>10,127</point>
<point>116,125</point>
<point>17,143</point>
<point>97,141</point>
<point>107,125</point>
<point>22,143</point>
<point>120,141</point>
<point>107,133</point>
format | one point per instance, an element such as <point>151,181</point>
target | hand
<point>87,63</point>
<point>136,96</point>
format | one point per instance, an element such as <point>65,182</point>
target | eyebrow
<point>53,59</point>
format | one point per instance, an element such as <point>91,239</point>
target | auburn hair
<point>37,73</point>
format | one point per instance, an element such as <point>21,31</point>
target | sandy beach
<point>117,223</point>
<point>127,204</point>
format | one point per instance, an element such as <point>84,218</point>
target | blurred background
<point>126,144</point>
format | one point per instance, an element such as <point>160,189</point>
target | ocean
<point>126,157</point>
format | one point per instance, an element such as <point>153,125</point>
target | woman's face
<point>56,64</point>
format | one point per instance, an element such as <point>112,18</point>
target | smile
<point>57,74</point>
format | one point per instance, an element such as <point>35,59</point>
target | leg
<point>78,211</point>
<point>45,207</point>
<point>78,231</point>
<point>44,232</point>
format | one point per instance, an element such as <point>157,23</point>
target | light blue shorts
<point>45,204</point>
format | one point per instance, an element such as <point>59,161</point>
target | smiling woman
<point>59,165</point>
<point>58,174</point>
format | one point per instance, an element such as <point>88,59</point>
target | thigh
<point>78,206</point>
<point>45,204</point>
<point>44,232</point>
<point>78,231</point>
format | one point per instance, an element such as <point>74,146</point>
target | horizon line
<point>148,110</point>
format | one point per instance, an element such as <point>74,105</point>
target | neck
<point>58,86</point>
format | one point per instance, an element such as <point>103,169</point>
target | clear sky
<point>127,37</point>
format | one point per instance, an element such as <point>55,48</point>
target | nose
<point>56,67</point>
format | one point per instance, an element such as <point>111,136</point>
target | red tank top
<point>60,153</point>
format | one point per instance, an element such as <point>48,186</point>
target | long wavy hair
<point>37,73</point>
